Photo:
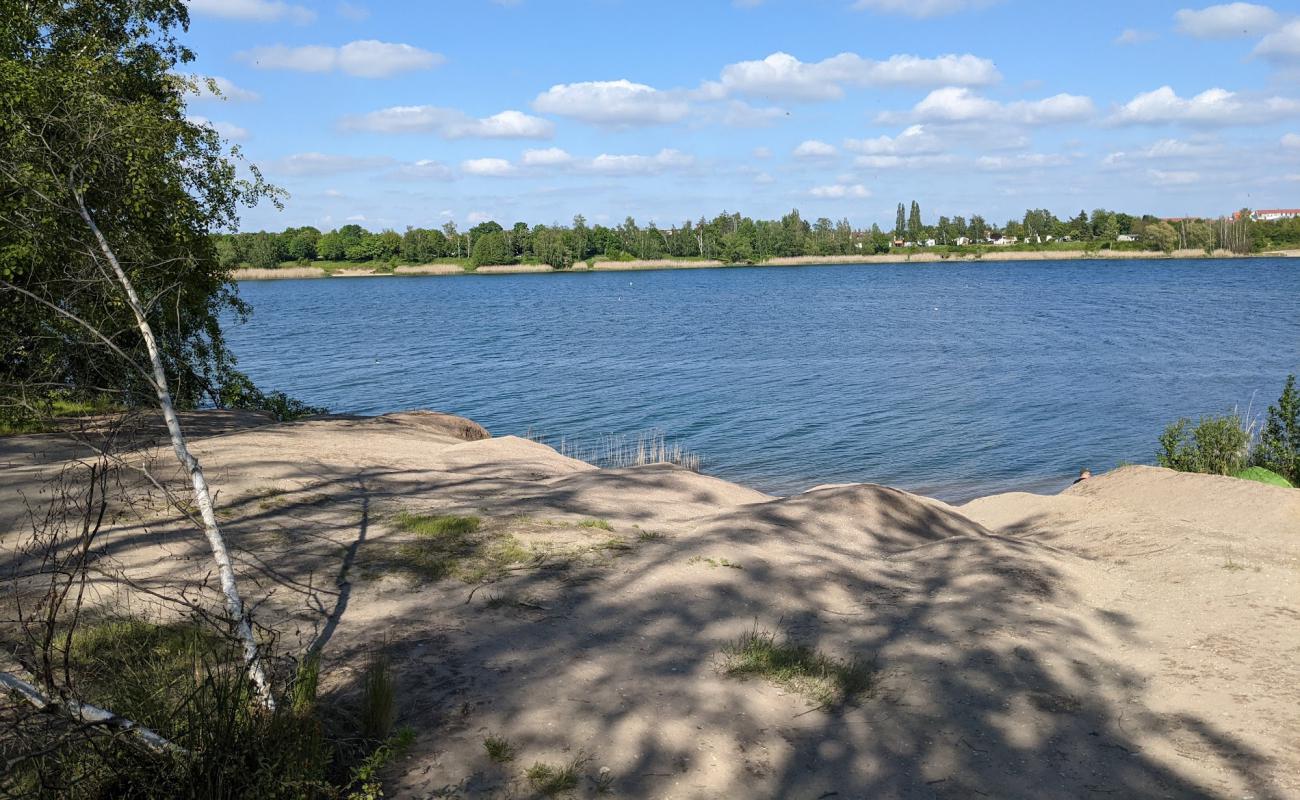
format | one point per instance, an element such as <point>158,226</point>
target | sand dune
<point>1135,636</point>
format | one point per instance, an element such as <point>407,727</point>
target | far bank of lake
<point>360,270</point>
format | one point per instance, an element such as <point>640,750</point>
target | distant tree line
<point>734,238</point>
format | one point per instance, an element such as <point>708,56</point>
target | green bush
<point>1215,445</point>
<point>1279,441</point>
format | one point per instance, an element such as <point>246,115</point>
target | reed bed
<point>430,269</point>
<point>254,274</point>
<point>654,263</point>
<point>617,451</point>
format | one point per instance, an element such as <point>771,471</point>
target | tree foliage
<point>94,113</point>
<point>1279,441</point>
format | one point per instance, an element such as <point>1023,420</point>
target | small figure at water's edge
<point>1084,474</point>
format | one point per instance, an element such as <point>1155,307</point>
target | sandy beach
<point>1134,636</point>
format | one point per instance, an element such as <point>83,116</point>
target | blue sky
<point>414,113</point>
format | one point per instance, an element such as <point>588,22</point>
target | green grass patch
<point>600,524</point>
<point>824,680</point>
<point>457,547</point>
<point>1262,475</point>
<point>447,525</point>
<point>550,780</point>
<point>499,749</point>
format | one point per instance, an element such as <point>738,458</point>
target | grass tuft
<point>550,780</point>
<point>378,707</point>
<point>824,680</point>
<point>499,749</point>
<point>601,524</point>
<point>445,525</point>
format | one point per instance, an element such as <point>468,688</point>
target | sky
<point>394,114</point>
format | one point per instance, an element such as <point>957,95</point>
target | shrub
<point>1215,445</point>
<point>1279,441</point>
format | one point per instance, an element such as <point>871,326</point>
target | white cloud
<point>914,140</point>
<point>365,58</point>
<point>903,162</point>
<point>548,157</point>
<point>537,162</point>
<point>1226,21</point>
<point>227,130</point>
<point>921,8</point>
<point>1021,161</point>
<point>762,152</point>
<point>763,178</point>
<point>1291,141</point>
<point>1164,148</point>
<point>959,105</point>
<point>475,217</point>
<point>1211,107</point>
<point>450,123</point>
<point>782,75</point>
<point>325,164</point>
<point>225,87</point>
<point>1172,177</point>
<point>426,169</point>
<point>1177,148</point>
<point>491,167</point>
<point>1134,36</point>
<point>1282,45</point>
<point>620,102</point>
<point>663,161</point>
<point>840,190</point>
<point>812,148</point>
<point>252,10</point>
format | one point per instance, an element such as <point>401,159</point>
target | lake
<point>953,380</point>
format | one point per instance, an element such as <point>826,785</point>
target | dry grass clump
<point>822,679</point>
<point>430,269</point>
<point>620,451</point>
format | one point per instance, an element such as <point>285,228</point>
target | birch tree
<point>108,193</point>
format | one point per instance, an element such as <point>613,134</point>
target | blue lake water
<point>954,380</point>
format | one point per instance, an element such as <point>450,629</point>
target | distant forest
<point>734,238</point>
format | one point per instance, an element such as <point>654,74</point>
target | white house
<point>961,241</point>
<point>1274,214</point>
<point>1126,237</point>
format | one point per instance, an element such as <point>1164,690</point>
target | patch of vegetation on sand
<point>450,546</point>
<point>824,680</point>
<point>550,780</point>
<point>499,749</point>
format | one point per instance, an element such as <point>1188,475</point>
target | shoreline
<point>447,270</point>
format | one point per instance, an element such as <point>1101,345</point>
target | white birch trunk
<point>202,496</point>
<point>87,714</point>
